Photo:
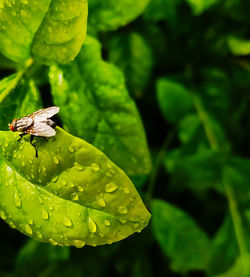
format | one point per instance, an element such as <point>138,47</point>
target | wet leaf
<point>96,106</point>
<point>239,46</point>
<point>178,235</point>
<point>72,194</point>
<point>49,31</point>
<point>17,99</point>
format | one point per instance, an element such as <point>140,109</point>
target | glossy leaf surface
<point>49,31</point>
<point>72,194</point>
<point>96,106</point>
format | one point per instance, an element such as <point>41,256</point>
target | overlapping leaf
<point>96,106</point>
<point>50,31</point>
<point>17,98</point>
<point>112,14</point>
<point>178,235</point>
<point>132,54</point>
<point>72,194</point>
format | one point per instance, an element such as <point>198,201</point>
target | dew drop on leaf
<point>17,200</point>
<point>79,243</point>
<point>111,187</point>
<point>101,202</point>
<point>28,230</point>
<point>91,225</point>
<point>106,222</point>
<point>80,188</point>
<point>67,222</point>
<point>123,210</point>
<point>45,214</point>
<point>55,160</point>
<point>95,167</point>
<point>3,215</point>
<point>75,196</point>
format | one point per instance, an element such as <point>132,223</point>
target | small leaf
<point>179,237</point>
<point>34,256</point>
<point>72,194</point>
<point>224,249</point>
<point>17,100</point>
<point>49,31</point>
<point>199,6</point>
<point>132,54</point>
<point>239,46</point>
<point>173,99</point>
<point>109,15</point>
<point>96,106</point>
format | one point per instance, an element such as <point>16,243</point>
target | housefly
<point>36,124</point>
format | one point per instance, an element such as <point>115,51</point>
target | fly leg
<point>45,139</point>
<point>21,136</point>
<point>32,143</point>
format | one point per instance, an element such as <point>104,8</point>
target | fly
<point>36,124</point>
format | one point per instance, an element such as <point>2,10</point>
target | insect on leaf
<point>71,195</point>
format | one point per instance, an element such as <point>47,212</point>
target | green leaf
<point>179,237</point>
<point>132,54</point>
<point>239,46</point>
<point>96,106</point>
<point>224,250</point>
<point>35,256</point>
<point>49,31</point>
<point>238,269</point>
<point>109,15</point>
<point>173,99</point>
<point>199,171</point>
<point>162,10</point>
<point>72,194</point>
<point>17,98</point>
<point>199,6</point>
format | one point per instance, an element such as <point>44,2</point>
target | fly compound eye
<point>11,127</point>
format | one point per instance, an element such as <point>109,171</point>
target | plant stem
<point>233,207</point>
<point>158,161</point>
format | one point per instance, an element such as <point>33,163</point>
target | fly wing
<point>44,114</point>
<point>41,129</point>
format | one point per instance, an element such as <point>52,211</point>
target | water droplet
<point>40,200</point>
<point>54,180</point>
<point>64,183</point>
<point>71,149</point>
<point>80,188</point>
<point>28,230</point>
<point>101,202</point>
<point>110,187</point>
<point>3,215</point>
<point>31,222</point>
<point>51,207</point>
<point>122,210</point>
<point>55,160</point>
<point>95,167</point>
<point>91,225</point>
<point>45,214</point>
<point>126,190</point>
<point>17,200</point>
<point>79,243</point>
<point>106,222</point>
<point>67,222</point>
<point>109,165</point>
<point>39,235</point>
<point>75,196</point>
<point>53,242</point>
<point>78,166</point>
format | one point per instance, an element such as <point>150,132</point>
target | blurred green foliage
<point>181,69</point>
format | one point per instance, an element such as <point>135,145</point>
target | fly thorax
<point>23,123</point>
